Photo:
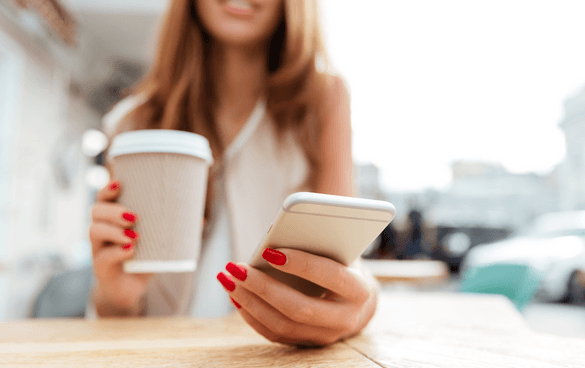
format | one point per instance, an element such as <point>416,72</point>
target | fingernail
<point>226,282</point>
<point>129,216</point>
<point>114,186</point>
<point>131,234</point>
<point>238,272</point>
<point>235,303</point>
<point>127,246</point>
<point>273,256</point>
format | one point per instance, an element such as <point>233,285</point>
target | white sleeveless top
<point>209,297</point>
<point>257,174</point>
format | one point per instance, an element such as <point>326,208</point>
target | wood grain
<point>186,353</point>
<point>447,330</point>
<point>409,330</point>
<point>158,342</point>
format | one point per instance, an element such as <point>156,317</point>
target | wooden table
<point>415,271</point>
<point>409,330</point>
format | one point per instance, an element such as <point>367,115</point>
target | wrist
<point>107,305</point>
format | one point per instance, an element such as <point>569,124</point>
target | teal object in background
<point>516,281</point>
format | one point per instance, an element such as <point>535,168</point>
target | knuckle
<point>304,267</point>
<point>304,314</point>
<point>261,289</point>
<point>93,232</point>
<point>94,212</point>
<point>341,277</point>
<point>349,323</point>
<point>363,296</point>
<point>282,328</point>
<point>99,265</point>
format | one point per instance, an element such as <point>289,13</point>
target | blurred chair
<point>518,282</point>
<point>64,295</point>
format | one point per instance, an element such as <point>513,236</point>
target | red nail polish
<point>273,256</point>
<point>129,216</point>
<point>114,186</point>
<point>226,282</point>
<point>131,234</point>
<point>236,303</point>
<point>238,272</point>
<point>127,246</point>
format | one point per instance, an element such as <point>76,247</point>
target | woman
<point>243,74</point>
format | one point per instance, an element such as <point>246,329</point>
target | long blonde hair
<point>180,91</point>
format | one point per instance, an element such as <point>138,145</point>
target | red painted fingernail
<point>273,256</point>
<point>131,234</point>
<point>115,186</point>
<point>226,282</point>
<point>236,303</point>
<point>238,272</point>
<point>127,246</point>
<point>129,216</point>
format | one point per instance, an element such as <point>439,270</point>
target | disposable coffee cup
<point>164,181</point>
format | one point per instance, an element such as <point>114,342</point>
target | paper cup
<point>164,181</point>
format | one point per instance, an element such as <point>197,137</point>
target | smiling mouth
<point>240,5</point>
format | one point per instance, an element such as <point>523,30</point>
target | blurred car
<point>554,245</point>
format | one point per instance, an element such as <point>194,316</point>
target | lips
<point>242,5</point>
<point>239,7</point>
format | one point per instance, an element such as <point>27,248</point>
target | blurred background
<point>468,116</point>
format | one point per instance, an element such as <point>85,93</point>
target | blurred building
<point>44,199</point>
<point>571,172</point>
<point>486,195</point>
<point>117,43</point>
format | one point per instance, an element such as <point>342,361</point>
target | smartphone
<point>336,227</point>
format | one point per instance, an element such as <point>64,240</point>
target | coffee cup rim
<point>161,140</point>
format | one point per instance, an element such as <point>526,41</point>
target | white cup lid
<point>161,140</point>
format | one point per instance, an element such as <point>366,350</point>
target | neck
<point>239,77</point>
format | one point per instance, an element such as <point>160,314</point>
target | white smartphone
<point>336,227</point>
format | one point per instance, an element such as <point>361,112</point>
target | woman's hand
<point>117,293</point>
<point>282,314</point>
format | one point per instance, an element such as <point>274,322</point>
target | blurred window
<point>10,80</point>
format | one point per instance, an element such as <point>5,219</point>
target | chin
<point>256,23</point>
<point>240,39</point>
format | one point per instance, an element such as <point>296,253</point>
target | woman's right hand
<point>117,293</point>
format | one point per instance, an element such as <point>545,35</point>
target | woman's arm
<point>337,170</point>
<point>336,176</point>
<point>283,314</point>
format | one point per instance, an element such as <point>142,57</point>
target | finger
<point>277,322</point>
<point>259,327</point>
<point>294,304</point>
<point>102,233</point>
<point>271,336</point>
<point>108,267</point>
<point>108,262</point>
<point>110,192</point>
<point>319,270</point>
<point>114,214</point>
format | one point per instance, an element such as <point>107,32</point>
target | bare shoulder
<point>336,92</point>
<point>335,105</point>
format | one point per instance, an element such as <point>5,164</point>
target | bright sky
<point>436,81</point>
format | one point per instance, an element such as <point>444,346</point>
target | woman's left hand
<point>283,314</point>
